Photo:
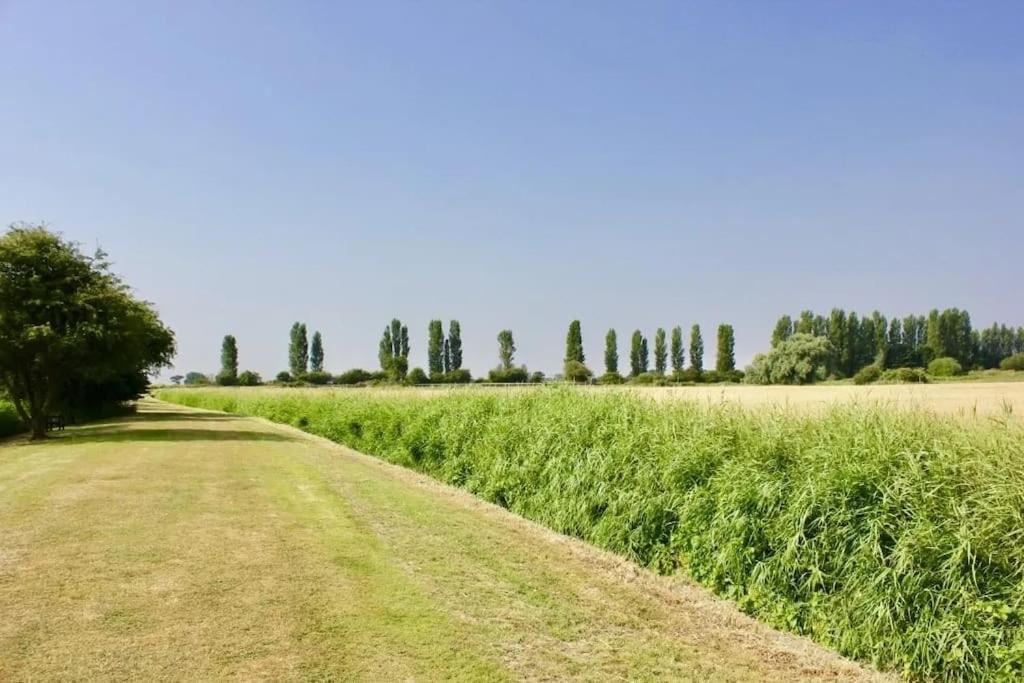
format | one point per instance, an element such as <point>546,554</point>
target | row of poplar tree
<point>911,341</point>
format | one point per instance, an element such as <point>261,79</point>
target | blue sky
<point>633,165</point>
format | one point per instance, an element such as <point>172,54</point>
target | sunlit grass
<point>893,536</point>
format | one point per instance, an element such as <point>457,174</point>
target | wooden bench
<point>55,422</point>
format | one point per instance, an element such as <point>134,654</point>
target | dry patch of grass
<point>192,545</point>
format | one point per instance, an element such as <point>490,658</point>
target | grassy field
<point>891,535</point>
<point>187,545</point>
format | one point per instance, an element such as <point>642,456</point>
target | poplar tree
<point>676,353</point>
<point>645,356</point>
<point>783,330</point>
<point>446,357</point>
<point>298,350</point>
<point>506,349</point>
<point>316,353</point>
<point>435,348</point>
<point>696,350</point>
<point>611,353</point>
<point>386,351</point>
<point>725,356</point>
<point>660,352</point>
<point>455,344</point>
<point>228,361</point>
<point>635,344</point>
<point>574,343</point>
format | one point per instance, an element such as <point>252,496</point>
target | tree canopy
<point>72,335</point>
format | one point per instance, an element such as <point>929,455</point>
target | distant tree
<point>676,353</point>
<point>725,356</point>
<point>404,346</point>
<point>660,352</point>
<point>837,340</point>
<point>386,351</point>
<point>393,350</point>
<point>645,356</point>
<point>176,379</point>
<point>506,349</point>
<point>455,344</point>
<point>696,350</point>
<point>196,378</point>
<point>611,353</point>
<point>783,330</point>
<point>576,371</point>
<point>283,377</point>
<point>316,353</point>
<point>801,359</point>
<point>446,356</point>
<point>248,378</point>
<point>435,348</point>
<point>574,343</point>
<point>298,350</point>
<point>635,345</point>
<point>228,374</point>
<point>805,324</point>
<point>417,376</point>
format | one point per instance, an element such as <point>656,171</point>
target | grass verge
<point>894,537</point>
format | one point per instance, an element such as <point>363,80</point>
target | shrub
<point>611,378</point>
<point>284,377</point>
<point>576,371</point>
<point>649,379</point>
<point>885,534</point>
<point>537,377</point>
<point>248,378</point>
<point>719,376</point>
<point>868,374</point>
<point>1014,362</point>
<point>318,377</point>
<point>417,376</point>
<point>460,376</point>
<point>904,376</point>
<point>944,367</point>
<point>353,376</point>
<point>511,375</point>
<point>690,374</point>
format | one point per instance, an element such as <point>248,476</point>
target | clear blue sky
<point>249,164</point>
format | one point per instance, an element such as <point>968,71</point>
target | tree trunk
<point>39,426</point>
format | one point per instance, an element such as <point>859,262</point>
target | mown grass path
<point>193,545</point>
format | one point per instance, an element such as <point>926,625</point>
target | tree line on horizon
<point>444,359</point>
<point>807,348</point>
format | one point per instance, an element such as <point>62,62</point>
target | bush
<point>509,376</point>
<point>868,374</point>
<point>417,376</point>
<point>460,376</point>
<point>283,377</point>
<point>227,379</point>
<point>883,533</point>
<point>537,377</point>
<point>248,378</point>
<point>649,379</point>
<point>318,377</point>
<point>1014,362</point>
<point>904,376</point>
<point>576,371</point>
<point>944,367</point>
<point>611,378</point>
<point>797,360</point>
<point>717,376</point>
<point>353,376</point>
<point>689,375</point>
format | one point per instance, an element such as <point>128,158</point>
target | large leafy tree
<point>228,374</point>
<point>611,353</point>
<point>725,350</point>
<point>393,350</point>
<point>696,349</point>
<point>435,348</point>
<point>316,353</point>
<point>660,351</point>
<point>72,335</point>
<point>455,344</point>
<point>676,350</point>
<point>783,330</point>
